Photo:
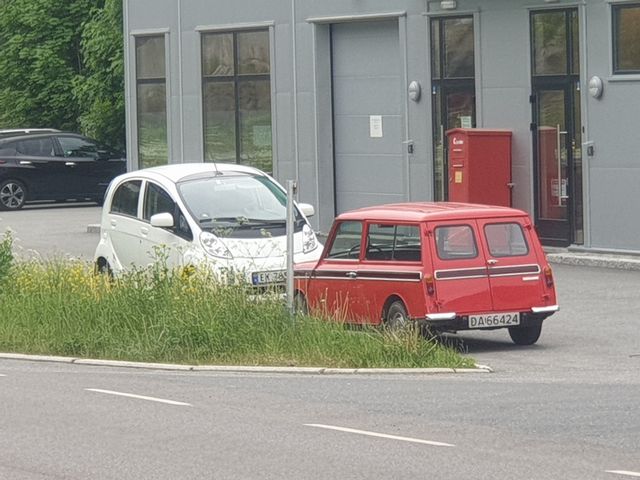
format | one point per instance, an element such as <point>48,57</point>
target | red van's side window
<point>346,244</point>
<point>456,242</point>
<point>506,240</point>
<point>388,242</point>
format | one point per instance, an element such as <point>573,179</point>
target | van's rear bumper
<point>453,322</point>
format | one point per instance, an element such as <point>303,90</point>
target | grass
<point>61,307</point>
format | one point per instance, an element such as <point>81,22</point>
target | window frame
<point>137,82</point>
<point>113,197</point>
<point>461,257</point>
<point>334,237</point>
<point>237,79</point>
<point>512,223</point>
<point>442,86</point>
<point>616,8</point>
<point>394,244</point>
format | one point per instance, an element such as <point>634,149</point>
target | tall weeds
<point>61,307</point>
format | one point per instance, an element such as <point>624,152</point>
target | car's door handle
<point>144,230</point>
<point>113,223</point>
<point>351,274</point>
<point>492,261</point>
<point>25,162</point>
<point>70,164</point>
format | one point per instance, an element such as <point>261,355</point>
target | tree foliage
<point>62,66</point>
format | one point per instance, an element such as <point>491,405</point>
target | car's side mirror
<point>307,209</point>
<point>162,220</point>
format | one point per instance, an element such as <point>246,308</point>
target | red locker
<point>480,166</point>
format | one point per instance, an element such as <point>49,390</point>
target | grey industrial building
<point>352,98</point>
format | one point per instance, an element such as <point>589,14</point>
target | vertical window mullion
<point>236,87</point>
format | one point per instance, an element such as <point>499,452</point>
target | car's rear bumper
<point>453,322</point>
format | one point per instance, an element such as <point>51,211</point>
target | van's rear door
<point>515,274</point>
<point>460,269</point>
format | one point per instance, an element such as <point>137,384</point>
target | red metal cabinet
<point>480,166</point>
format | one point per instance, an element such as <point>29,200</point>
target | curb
<point>243,369</point>
<point>594,260</point>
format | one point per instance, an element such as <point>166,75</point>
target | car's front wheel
<point>13,194</point>
<point>525,335</point>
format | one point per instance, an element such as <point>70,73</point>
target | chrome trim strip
<point>441,316</point>
<point>549,309</point>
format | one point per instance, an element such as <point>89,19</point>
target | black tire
<point>13,194</point>
<point>300,306</point>
<point>103,268</point>
<point>396,317</point>
<point>525,335</point>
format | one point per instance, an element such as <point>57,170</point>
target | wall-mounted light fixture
<point>595,87</point>
<point>415,91</point>
<point>448,4</point>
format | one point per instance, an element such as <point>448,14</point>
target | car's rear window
<point>506,240</point>
<point>456,242</point>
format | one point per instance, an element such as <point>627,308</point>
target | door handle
<point>25,162</point>
<point>559,159</point>
<point>113,223</point>
<point>351,274</point>
<point>70,164</point>
<point>144,230</point>
<point>492,261</point>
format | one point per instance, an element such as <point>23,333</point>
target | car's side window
<point>157,200</point>
<point>454,242</point>
<point>35,147</point>
<point>506,240</point>
<point>73,147</point>
<point>125,198</point>
<point>346,243</point>
<point>389,242</point>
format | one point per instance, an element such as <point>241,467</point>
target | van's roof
<point>425,211</point>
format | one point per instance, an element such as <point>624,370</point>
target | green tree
<point>39,41</point>
<point>99,90</point>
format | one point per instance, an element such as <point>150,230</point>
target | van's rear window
<point>506,240</point>
<point>456,242</point>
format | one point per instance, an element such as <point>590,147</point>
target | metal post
<point>291,190</point>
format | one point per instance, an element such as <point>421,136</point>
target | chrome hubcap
<point>12,195</point>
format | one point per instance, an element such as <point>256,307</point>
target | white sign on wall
<point>375,126</point>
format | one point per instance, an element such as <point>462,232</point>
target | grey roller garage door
<point>369,161</point>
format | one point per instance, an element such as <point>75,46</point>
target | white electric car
<point>230,217</point>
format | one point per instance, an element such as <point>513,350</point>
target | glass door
<point>557,126</point>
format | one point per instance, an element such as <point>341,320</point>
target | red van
<point>450,266</point>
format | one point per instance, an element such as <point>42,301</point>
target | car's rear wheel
<point>13,194</point>
<point>103,268</point>
<point>396,317</point>
<point>525,335</point>
<point>300,306</point>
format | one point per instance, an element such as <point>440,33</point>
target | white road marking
<point>380,435</point>
<point>140,397</point>
<point>624,472</point>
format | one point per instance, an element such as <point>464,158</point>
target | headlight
<point>214,246</point>
<point>309,240</point>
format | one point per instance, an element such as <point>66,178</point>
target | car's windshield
<point>237,202</point>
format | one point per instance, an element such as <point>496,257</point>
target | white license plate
<point>494,320</point>
<point>268,278</point>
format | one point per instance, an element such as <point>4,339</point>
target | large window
<point>452,87</point>
<point>236,90</point>
<point>626,38</point>
<point>151,94</point>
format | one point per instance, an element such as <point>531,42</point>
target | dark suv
<point>54,166</point>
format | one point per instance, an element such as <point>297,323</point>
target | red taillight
<point>431,286</point>
<point>548,276</point>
